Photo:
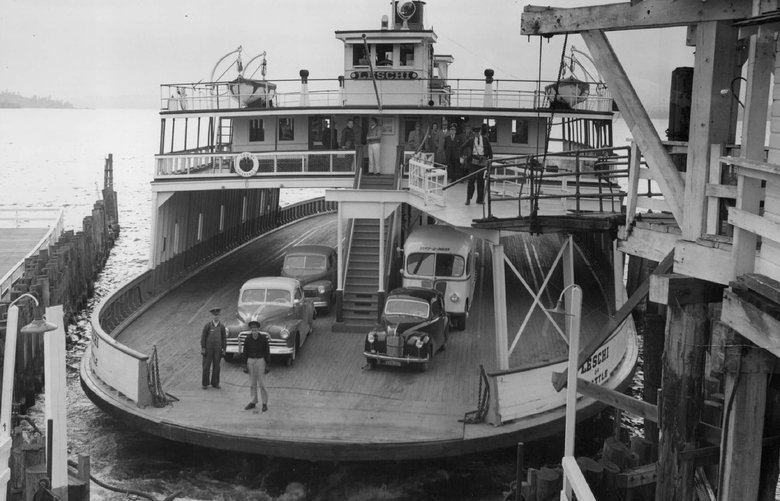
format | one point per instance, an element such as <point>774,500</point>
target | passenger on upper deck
<point>452,143</point>
<point>374,139</point>
<point>477,151</point>
<point>415,137</point>
<point>436,144</point>
<point>348,136</point>
<point>329,136</point>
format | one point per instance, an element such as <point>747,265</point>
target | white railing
<point>456,93</point>
<point>427,180</point>
<point>29,218</point>
<point>315,163</point>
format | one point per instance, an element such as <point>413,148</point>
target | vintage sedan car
<point>285,315</point>
<point>414,326</point>
<point>315,267</point>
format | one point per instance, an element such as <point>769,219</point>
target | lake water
<point>55,158</point>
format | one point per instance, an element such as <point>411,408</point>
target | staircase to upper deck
<point>361,284</point>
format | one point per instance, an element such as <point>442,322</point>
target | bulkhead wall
<point>189,219</point>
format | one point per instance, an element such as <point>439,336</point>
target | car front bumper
<point>403,360</point>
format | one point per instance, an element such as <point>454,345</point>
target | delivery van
<point>442,258</point>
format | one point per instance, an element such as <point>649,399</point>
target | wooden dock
<point>329,405</point>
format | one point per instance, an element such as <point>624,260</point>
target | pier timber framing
<point>723,292</point>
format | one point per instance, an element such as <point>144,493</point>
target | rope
<point>483,399</point>
<point>126,492</point>
<point>159,397</point>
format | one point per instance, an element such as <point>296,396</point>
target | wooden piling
<point>680,410</point>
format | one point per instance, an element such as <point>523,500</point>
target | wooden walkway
<point>329,405</point>
<point>16,243</point>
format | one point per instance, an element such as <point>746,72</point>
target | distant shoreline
<point>15,100</point>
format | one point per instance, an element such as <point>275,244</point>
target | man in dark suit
<point>452,144</point>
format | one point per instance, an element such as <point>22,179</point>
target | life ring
<point>242,164</point>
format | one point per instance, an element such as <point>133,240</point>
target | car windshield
<point>408,307</point>
<point>265,296</point>
<point>431,264</point>
<point>305,262</point>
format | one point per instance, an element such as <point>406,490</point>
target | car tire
<point>296,347</point>
<point>372,363</point>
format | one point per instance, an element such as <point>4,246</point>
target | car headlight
<point>284,333</point>
<point>321,289</point>
<point>419,343</point>
<point>454,297</point>
<point>371,337</point>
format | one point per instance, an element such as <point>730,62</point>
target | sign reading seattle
<point>384,75</point>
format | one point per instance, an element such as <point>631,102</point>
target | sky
<point>110,53</point>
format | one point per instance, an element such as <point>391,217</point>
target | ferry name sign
<point>384,75</point>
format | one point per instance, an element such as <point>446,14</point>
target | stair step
<point>368,266</point>
<point>360,294</point>
<point>362,273</point>
<point>360,310</point>
<point>362,281</point>
<point>367,319</point>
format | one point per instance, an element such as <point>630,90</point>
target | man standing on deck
<point>374,139</point>
<point>213,342</point>
<point>256,355</point>
<point>452,144</point>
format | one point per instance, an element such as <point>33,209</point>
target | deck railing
<point>427,180</point>
<point>316,163</point>
<point>460,93</point>
<point>583,180</point>
<point>125,369</point>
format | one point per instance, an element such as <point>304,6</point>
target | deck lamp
<point>38,325</point>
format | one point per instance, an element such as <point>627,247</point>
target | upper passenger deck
<point>395,67</point>
<point>295,97</point>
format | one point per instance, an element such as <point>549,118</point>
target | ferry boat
<point>227,148</point>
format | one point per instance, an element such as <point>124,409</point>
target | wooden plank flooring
<point>329,405</point>
<point>15,243</point>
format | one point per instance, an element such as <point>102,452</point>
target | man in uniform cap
<point>213,342</point>
<point>257,354</point>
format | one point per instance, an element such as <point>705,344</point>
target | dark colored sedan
<point>414,327</point>
<point>315,267</point>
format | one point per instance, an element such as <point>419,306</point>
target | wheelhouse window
<point>406,54</point>
<point>492,129</point>
<point>256,130</point>
<point>439,265</point>
<point>359,55</point>
<point>520,131</point>
<point>286,129</point>
<point>384,54</point>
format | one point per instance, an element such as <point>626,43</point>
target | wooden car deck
<point>328,405</point>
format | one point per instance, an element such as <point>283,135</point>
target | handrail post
<point>487,186</point>
<point>577,180</point>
